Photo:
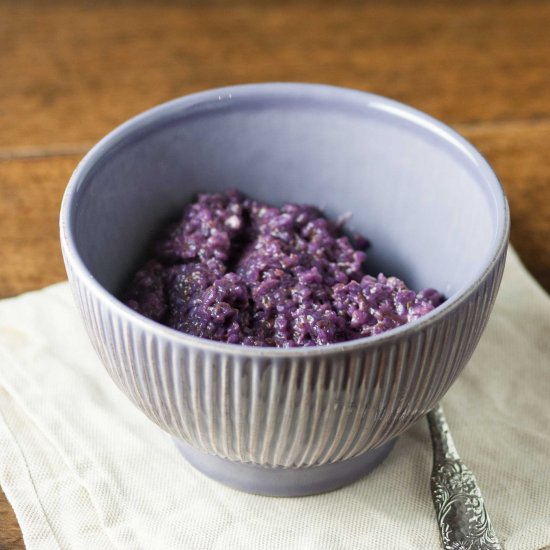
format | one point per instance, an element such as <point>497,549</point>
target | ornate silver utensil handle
<point>461,515</point>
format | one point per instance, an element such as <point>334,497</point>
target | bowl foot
<point>284,482</point>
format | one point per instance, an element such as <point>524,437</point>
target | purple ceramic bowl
<point>303,420</point>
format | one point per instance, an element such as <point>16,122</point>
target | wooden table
<point>71,72</point>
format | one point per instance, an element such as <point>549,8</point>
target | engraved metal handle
<point>461,515</point>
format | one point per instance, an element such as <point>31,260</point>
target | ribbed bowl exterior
<point>286,410</point>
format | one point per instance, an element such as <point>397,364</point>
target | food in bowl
<point>240,271</point>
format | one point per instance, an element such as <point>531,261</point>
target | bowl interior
<point>429,204</point>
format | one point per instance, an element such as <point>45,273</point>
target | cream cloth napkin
<point>83,468</point>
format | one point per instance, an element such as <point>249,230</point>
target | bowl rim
<point>212,96</point>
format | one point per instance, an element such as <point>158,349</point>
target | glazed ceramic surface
<point>424,197</point>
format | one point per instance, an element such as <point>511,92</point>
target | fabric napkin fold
<point>83,468</point>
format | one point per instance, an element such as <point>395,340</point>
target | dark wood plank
<point>519,155</point>
<point>31,191</point>
<point>72,71</point>
<point>10,534</point>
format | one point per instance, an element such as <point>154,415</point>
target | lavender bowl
<point>304,420</point>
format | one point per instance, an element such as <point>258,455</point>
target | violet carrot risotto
<point>236,270</point>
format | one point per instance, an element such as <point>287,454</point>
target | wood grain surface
<point>70,71</point>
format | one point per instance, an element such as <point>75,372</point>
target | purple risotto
<point>240,271</point>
